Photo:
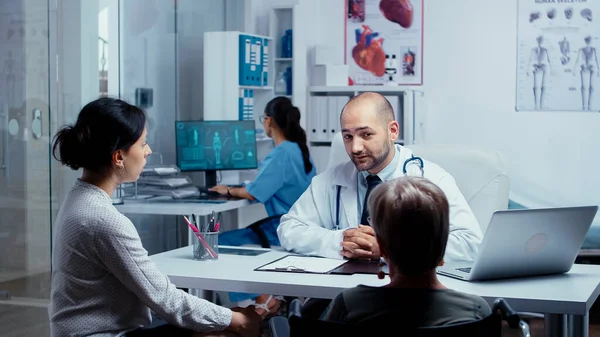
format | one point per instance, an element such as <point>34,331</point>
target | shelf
<point>328,142</point>
<point>259,36</point>
<point>363,88</point>
<point>263,139</point>
<point>283,59</point>
<point>283,7</point>
<point>255,87</point>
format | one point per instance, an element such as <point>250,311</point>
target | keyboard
<point>206,190</point>
<point>466,270</point>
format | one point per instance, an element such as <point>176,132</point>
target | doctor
<point>330,218</point>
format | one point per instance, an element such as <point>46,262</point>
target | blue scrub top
<point>281,178</point>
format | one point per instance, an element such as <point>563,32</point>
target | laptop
<point>527,242</point>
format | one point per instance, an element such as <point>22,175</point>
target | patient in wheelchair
<point>409,216</point>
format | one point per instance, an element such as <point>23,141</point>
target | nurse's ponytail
<point>287,118</point>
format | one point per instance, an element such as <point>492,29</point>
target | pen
<point>290,269</point>
<point>194,229</point>
<point>213,221</point>
<point>218,224</point>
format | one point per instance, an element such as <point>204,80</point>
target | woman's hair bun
<point>69,145</point>
<point>102,127</point>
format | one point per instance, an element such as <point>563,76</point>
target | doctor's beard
<point>372,159</point>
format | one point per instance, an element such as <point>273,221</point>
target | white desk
<point>170,207</point>
<point>569,294</point>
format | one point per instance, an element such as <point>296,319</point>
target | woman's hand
<point>245,322</point>
<point>221,189</point>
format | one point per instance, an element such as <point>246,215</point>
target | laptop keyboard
<point>466,270</point>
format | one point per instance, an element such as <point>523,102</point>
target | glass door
<point>25,189</point>
<point>54,58</point>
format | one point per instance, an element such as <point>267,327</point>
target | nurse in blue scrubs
<point>283,176</point>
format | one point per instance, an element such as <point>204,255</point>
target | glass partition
<point>26,198</point>
<point>56,56</point>
<point>51,63</point>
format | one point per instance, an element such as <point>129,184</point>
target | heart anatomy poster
<point>557,62</point>
<point>384,42</point>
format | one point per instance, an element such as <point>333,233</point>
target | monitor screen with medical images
<point>215,145</point>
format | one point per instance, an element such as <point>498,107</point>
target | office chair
<point>491,326</point>
<point>255,227</point>
<point>480,173</point>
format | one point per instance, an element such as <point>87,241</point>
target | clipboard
<point>360,267</point>
<point>302,264</point>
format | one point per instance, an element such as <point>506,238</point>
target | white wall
<point>552,155</point>
<point>326,20</point>
<point>469,84</point>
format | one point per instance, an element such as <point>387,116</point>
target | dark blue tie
<point>372,182</point>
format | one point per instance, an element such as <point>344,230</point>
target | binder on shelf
<point>246,105</point>
<point>245,50</point>
<point>250,111</point>
<point>323,119</point>
<point>395,103</point>
<point>313,119</point>
<point>318,119</point>
<point>241,104</point>
<point>265,63</point>
<point>335,105</point>
<point>252,65</point>
<point>257,69</point>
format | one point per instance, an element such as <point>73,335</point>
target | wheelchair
<point>491,326</point>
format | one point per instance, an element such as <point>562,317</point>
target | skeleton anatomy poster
<point>557,62</point>
<point>384,42</point>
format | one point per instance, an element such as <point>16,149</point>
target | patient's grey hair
<point>410,217</point>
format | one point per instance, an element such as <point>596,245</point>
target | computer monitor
<point>211,146</point>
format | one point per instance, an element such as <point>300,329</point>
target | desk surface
<point>170,207</point>
<point>571,293</point>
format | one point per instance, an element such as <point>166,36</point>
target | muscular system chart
<point>557,62</point>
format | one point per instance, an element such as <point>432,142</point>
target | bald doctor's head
<point>369,131</point>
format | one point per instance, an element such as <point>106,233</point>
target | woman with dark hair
<point>103,281</point>
<point>283,176</point>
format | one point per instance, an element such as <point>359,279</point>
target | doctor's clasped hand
<point>360,243</point>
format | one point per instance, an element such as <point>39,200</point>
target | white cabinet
<point>281,19</point>
<point>238,75</point>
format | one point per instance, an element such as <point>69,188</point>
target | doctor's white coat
<point>310,225</point>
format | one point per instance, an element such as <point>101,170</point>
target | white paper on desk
<point>303,264</point>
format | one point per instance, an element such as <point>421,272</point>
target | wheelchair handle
<point>295,308</point>
<point>508,314</point>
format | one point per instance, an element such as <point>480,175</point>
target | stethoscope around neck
<point>412,167</point>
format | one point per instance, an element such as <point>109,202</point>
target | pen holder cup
<point>206,246</point>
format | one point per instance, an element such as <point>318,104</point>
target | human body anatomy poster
<point>557,62</point>
<point>384,42</point>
